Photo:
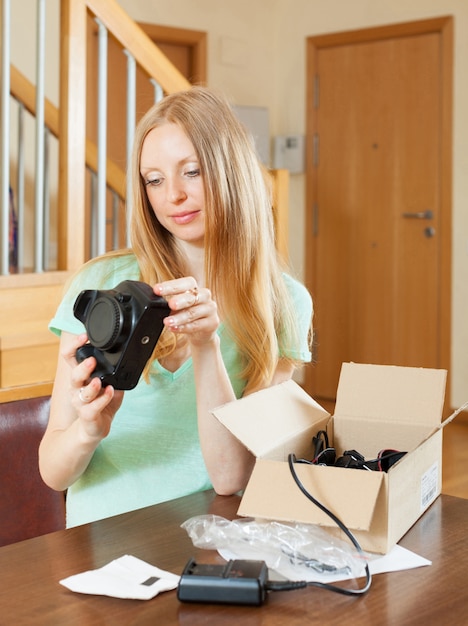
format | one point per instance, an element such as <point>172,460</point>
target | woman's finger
<point>171,288</point>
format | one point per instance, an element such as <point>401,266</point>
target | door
<point>378,218</point>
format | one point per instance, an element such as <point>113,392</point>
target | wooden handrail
<point>280,210</point>
<point>25,92</point>
<point>136,41</point>
<point>115,176</point>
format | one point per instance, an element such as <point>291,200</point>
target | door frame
<point>196,40</point>
<point>444,27</point>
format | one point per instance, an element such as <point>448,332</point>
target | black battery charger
<point>237,582</point>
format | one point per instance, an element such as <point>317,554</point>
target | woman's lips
<point>185,218</point>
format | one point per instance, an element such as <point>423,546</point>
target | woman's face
<point>174,185</point>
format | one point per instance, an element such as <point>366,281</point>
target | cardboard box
<point>378,407</point>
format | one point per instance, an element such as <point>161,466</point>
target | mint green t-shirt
<point>152,453</point>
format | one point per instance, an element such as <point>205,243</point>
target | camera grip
<point>89,350</point>
<point>84,352</point>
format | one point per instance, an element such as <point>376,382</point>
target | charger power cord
<point>247,582</point>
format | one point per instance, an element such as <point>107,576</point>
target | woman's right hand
<point>81,414</point>
<point>94,404</point>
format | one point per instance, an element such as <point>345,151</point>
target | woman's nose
<point>176,191</point>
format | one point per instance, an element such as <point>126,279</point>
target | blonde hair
<point>242,269</point>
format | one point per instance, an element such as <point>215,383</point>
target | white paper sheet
<point>126,577</point>
<point>397,559</point>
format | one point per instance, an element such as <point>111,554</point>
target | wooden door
<point>378,219</point>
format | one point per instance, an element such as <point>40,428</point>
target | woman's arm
<point>75,427</point>
<point>194,314</point>
<point>228,461</point>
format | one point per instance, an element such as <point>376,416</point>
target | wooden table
<point>31,594</point>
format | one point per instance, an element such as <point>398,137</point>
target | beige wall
<point>256,54</point>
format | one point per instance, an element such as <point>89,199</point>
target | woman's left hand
<point>194,312</point>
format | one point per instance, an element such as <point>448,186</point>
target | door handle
<point>419,215</point>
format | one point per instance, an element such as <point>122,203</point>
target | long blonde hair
<point>241,265</point>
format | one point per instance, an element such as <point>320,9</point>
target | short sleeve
<point>303,307</point>
<point>102,273</point>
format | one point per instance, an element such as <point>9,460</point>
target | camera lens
<point>105,323</point>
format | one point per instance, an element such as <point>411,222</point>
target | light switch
<point>288,153</point>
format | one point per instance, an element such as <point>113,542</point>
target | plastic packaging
<point>293,550</point>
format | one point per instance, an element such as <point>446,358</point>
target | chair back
<point>28,507</point>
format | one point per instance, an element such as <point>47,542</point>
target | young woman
<point>202,236</point>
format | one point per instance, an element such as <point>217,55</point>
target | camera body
<point>123,326</point>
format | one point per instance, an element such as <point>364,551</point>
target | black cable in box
<point>237,582</point>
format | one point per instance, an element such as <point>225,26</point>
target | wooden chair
<point>28,507</point>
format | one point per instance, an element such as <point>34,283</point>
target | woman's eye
<point>153,182</point>
<point>193,173</point>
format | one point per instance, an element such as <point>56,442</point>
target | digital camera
<point>123,326</point>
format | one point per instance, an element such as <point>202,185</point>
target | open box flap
<point>350,494</point>
<point>453,415</point>
<point>446,422</point>
<point>262,421</point>
<point>391,393</point>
